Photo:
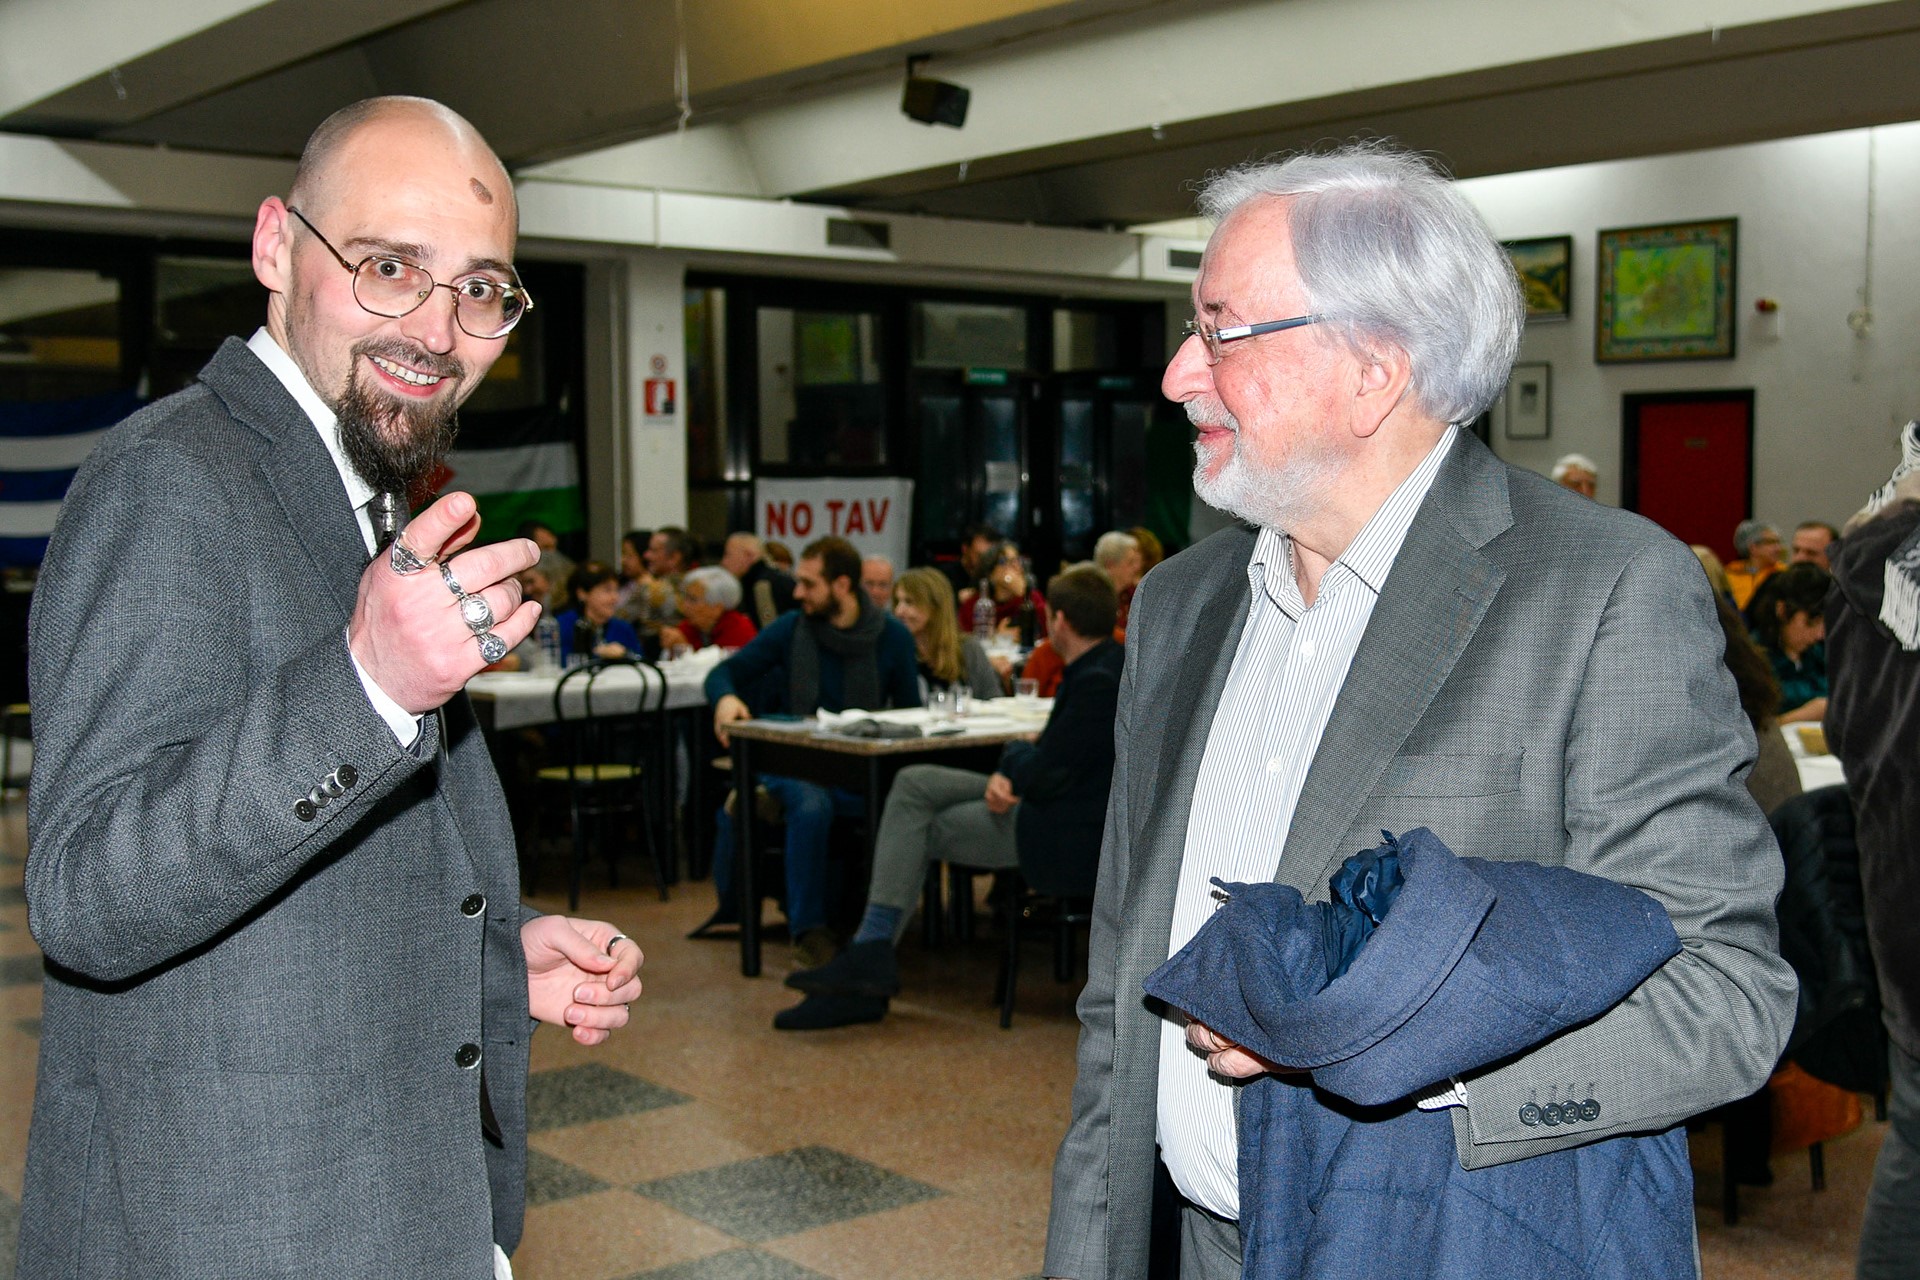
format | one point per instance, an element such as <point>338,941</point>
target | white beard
<point>1277,498</point>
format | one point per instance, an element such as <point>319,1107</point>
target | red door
<point>1689,463</point>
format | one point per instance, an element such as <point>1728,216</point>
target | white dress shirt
<point>405,725</point>
<point>1286,675</point>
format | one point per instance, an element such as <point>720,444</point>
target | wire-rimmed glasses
<point>384,285</point>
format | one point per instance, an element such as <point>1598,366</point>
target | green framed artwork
<point>1666,292</point>
<point>1545,268</point>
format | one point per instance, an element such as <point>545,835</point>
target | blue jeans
<point>1890,1236</point>
<point>811,809</point>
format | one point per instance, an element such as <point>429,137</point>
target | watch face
<point>492,648</point>
<point>477,614</point>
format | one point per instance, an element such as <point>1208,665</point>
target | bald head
<point>347,139</point>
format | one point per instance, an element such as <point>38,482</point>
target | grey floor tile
<point>578,1095</point>
<point>18,971</point>
<point>549,1179</point>
<point>773,1196</point>
<point>734,1264</point>
<point>29,1025</point>
<point>13,895</point>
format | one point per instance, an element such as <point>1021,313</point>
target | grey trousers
<point>1890,1236</point>
<point>934,812</point>
<point>1209,1246</point>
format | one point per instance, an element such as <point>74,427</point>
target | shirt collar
<point>1370,556</point>
<point>281,365</point>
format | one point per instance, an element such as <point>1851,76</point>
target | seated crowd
<point>842,632</point>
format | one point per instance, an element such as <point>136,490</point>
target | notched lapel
<point>1199,660</point>
<point>1433,601</point>
<point>305,483</point>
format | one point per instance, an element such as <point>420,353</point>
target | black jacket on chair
<point>1062,780</point>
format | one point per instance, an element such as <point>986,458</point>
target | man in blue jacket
<point>837,652</point>
<point>1049,794</point>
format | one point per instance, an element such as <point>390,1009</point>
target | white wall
<point>1827,404</point>
<point>655,450</point>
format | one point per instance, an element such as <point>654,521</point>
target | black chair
<point>606,759</point>
<point>16,721</point>
<point>1028,911</point>
<point>1837,1034</point>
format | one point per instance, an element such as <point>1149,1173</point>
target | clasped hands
<point>1225,1058</point>
<point>573,981</point>
<point>406,631</point>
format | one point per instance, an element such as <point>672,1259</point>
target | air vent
<point>1183,259</point>
<point>848,233</point>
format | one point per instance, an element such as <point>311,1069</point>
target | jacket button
<point>473,904</point>
<point>304,809</point>
<point>467,1056</point>
<point>346,775</point>
<point>1550,1114</point>
<point>1530,1115</point>
<point>1590,1109</point>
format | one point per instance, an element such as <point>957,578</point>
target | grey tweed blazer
<point>266,1026</point>
<point>1541,679</point>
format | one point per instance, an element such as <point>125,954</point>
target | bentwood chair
<point>606,756</point>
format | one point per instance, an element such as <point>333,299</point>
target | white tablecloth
<point>525,698</point>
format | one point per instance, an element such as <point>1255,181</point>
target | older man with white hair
<point>1118,554</point>
<point>710,611</point>
<point>1406,633</point>
<point>1576,471</point>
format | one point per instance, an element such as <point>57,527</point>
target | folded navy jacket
<point>1423,967</point>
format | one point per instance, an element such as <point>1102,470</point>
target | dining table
<point>834,751</point>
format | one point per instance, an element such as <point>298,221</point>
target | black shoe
<point>817,1013</point>
<point>864,969</point>
<point>724,918</point>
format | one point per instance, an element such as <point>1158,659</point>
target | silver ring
<point>446,576</point>
<point>476,613</point>
<point>402,559</point>
<point>492,647</point>
<point>615,941</point>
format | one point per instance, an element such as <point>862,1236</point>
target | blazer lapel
<point>1434,598</point>
<point>298,468</point>
<point>1201,660</point>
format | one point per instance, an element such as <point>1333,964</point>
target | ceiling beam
<point>138,58</point>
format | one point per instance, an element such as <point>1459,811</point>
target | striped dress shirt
<point>1286,675</point>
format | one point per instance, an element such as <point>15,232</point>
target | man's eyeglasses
<point>1211,339</point>
<point>392,287</point>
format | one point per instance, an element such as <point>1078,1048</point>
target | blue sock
<point>879,922</point>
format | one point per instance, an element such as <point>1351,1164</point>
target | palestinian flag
<point>518,466</point>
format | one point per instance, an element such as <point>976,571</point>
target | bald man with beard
<point>290,982</point>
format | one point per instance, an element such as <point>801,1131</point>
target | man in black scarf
<point>837,652</point>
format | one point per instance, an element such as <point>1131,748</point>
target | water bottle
<point>983,618</point>
<point>546,636</point>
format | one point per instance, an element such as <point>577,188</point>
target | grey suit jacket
<point>1541,679</point>
<point>251,1059</point>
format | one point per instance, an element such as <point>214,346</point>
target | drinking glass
<point>1026,690</point>
<point>940,702</point>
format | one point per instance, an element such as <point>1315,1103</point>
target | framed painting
<point>1666,292</point>
<point>1545,268</point>
<point>1527,406</point>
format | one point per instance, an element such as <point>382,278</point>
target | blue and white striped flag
<point>42,443</point>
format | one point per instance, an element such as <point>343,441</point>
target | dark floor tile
<point>774,1196</point>
<point>549,1179</point>
<point>9,1233</point>
<point>17,971</point>
<point>734,1264</point>
<point>578,1095</point>
<point>29,1025</point>
<point>13,895</point>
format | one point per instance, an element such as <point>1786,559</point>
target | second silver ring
<point>446,576</point>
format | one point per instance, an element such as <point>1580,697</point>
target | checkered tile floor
<point>699,1144</point>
